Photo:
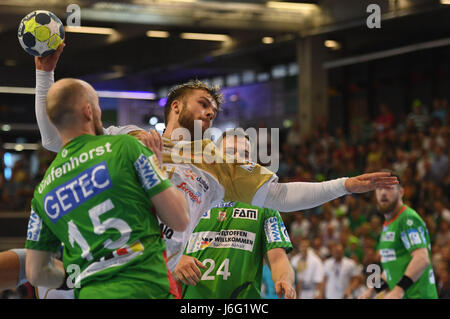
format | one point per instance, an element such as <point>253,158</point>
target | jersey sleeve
<point>39,235</point>
<point>152,178</point>
<point>275,232</point>
<point>412,233</point>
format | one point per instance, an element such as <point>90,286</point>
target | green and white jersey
<point>95,198</point>
<point>231,241</point>
<point>405,232</point>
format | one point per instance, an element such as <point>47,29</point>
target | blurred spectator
<point>309,271</point>
<point>294,137</point>
<point>440,110</point>
<point>419,115</point>
<point>386,119</point>
<point>443,235</point>
<point>341,275</point>
<point>300,225</point>
<point>439,164</point>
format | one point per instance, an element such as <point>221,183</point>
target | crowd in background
<point>414,145</point>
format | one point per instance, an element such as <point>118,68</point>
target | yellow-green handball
<point>40,33</point>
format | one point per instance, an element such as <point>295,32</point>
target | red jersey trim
<point>402,209</point>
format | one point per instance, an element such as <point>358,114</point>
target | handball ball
<point>40,33</point>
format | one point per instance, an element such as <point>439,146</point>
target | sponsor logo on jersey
<point>237,239</point>
<point>34,227</point>
<point>146,173</point>
<point>388,236</point>
<point>422,234</point>
<point>405,240</point>
<point>224,204</point>
<point>414,237</point>
<point>222,215</point>
<point>249,167</point>
<point>194,197</point>
<point>272,230</point>
<point>68,196</point>
<point>64,153</point>
<point>285,232</point>
<point>194,177</point>
<point>387,255</point>
<point>409,222</point>
<point>245,213</point>
<point>207,214</point>
<point>70,164</point>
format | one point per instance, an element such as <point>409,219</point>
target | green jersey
<point>404,233</point>
<point>95,198</point>
<point>231,241</point>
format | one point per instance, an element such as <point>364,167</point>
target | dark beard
<point>389,209</point>
<point>186,120</point>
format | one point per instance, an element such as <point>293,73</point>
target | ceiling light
<point>445,1</point>
<point>292,6</point>
<point>158,34</point>
<point>205,36</point>
<point>332,44</point>
<point>91,30</point>
<point>267,40</point>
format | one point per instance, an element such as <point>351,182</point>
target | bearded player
<point>404,248</point>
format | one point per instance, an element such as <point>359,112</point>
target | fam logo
<point>194,177</point>
<point>245,213</point>
<point>195,197</point>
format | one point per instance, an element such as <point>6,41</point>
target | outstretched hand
<point>48,63</point>
<point>368,182</point>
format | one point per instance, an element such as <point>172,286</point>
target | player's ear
<point>176,107</point>
<point>87,111</point>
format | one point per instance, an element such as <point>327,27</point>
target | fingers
<point>199,263</point>
<point>189,273</point>
<point>284,288</point>
<point>157,140</point>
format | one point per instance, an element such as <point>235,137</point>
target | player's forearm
<point>282,270</point>
<point>172,208</point>
<point>419,262</point>
<point>49,134</point>
<point>289,197</point>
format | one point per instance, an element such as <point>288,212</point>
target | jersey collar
<point>396,215</point>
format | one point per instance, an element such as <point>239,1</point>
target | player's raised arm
<point>45,67</point>
<point>289,197</point>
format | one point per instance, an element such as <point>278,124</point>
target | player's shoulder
<point>410,217</point>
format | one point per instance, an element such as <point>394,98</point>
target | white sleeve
<point>22,255</point>
<point>289,197</point>
<point>117,130</point>
<point>49,134</point>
